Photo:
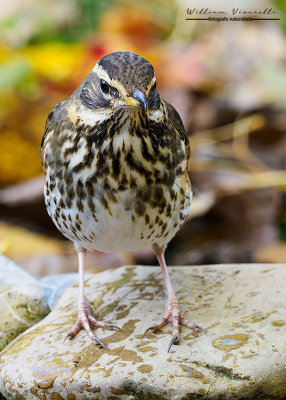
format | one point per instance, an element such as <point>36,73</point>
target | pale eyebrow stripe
<point>102,74</point>
<point>151,84</point>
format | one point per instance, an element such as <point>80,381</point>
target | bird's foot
<point>173,311</point>
<point>84,320</point>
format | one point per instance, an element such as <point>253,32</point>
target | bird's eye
<point>104,86</point>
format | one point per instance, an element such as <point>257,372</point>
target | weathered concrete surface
<point>242,356</point>
<point>21,301</point>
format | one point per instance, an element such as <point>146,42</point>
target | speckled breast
<point>128,219</point>
<point>115,206</point>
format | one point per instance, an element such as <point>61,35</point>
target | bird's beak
<point>141,97</point>
<point>137,100</point>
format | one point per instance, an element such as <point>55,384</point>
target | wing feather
<point>176,120</point>
<point>52,123</point>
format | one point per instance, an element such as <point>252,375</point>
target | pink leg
<point>84,317</point>
<point>173,310</point>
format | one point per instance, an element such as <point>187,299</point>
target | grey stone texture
<point>22,303</point>
<point>241,356</point>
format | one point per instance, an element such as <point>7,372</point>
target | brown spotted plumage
<point>115,156</point>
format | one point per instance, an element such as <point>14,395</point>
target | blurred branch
<point>229,183</point>
<point>250,181</point>
<point>201,204</point>
<point>241,127</point>
<point>234,155</point>
<point>24,192</point>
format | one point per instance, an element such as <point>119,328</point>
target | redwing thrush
<point>115,156</point>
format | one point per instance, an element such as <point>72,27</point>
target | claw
<point>196,328</point>
<point>175,340</point>
<point>84,321</point>
<point>68,335</point>
<point>94,339</point>
<point>103,325</point>
<point>151,328</point>
<point>98,341</point>
<point>173,312</point>
<point>76,328</point>
<point>113,327</point>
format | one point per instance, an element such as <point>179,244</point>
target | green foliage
<point>45,26</point>
<point>280,5</point>
<point>13,73</point>
<point>85,22</point>
<point>90,12</point>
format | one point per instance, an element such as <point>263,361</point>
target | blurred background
<point>226,79</point>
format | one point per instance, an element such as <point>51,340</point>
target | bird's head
<point>121,80</point>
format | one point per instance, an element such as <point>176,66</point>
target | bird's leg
<point>173,310</point>
<point>84,317</point>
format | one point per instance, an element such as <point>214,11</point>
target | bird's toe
<point>175,340</point>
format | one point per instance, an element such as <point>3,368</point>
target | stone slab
<point>242,356</point>
<point>22,303</point>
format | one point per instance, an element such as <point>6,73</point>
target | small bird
<point>115,157</point>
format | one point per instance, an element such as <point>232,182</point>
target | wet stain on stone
<point>115,390</point>
<point>256,317</point>
<point>38,393</point>
<point>107,309</point>
<point>146,349</point>
<point>125,312</point>
<point>94,389</point>
<point>108,372</point>
<point>230,342</point>
<point>141,392</point>
<point>156,285</point>
<point>46,375</point>
<point>125,355</point>
<point>237,325</point>
<point>250,355</point>
<point>252,294</point>
<point>126,331</point>
<point>278,323</point>
<point>212,326</point>
<point>228,302</point>
<point>113,286</point>
<point>222,371</point>
<point>56,396</point>
<point>95,304</point>
<point>145,368</point>
<point>126,278</point>
<point>25,341</point>
<point>195,374</point>
<point>91,354</point>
